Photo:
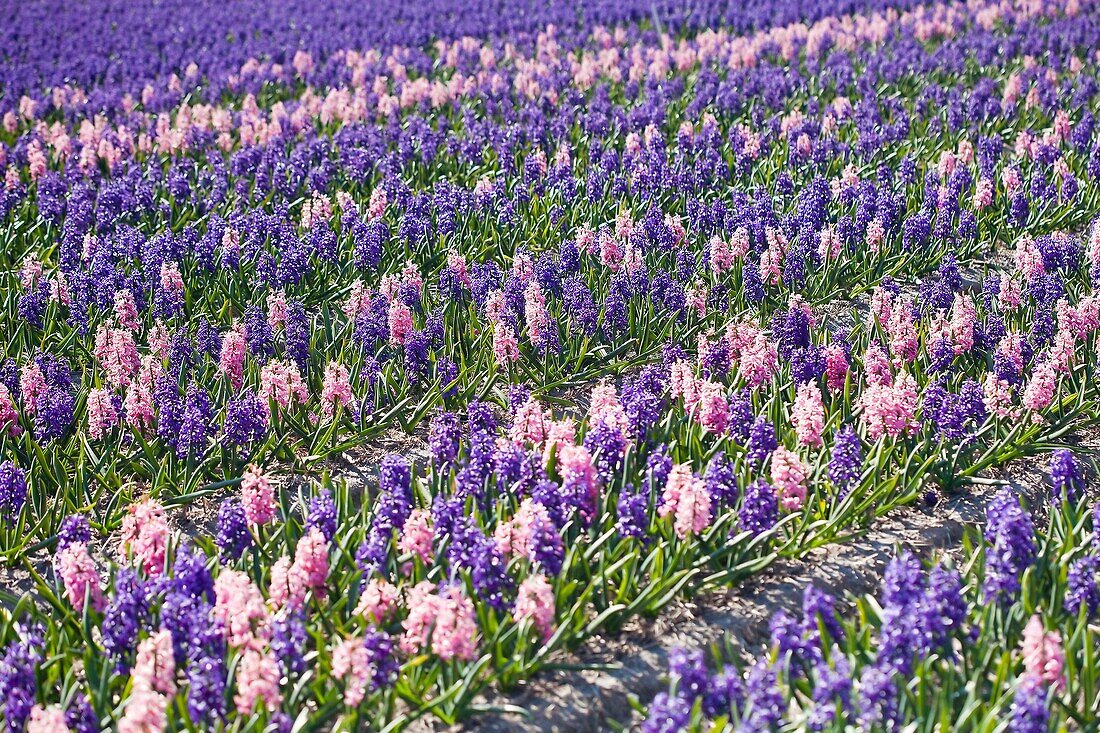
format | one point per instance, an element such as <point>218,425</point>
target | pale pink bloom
<point>721,256</point>
<point>530,424</point>
<point>963,317</point>
<point>697,299</point>
<point>32,384</point>
<point>997,396</point>
<point>683,383</point>
<point>138,403</point>
<point>1040,389</point>
<point>505,346</point>
<point>240,610</point>
<point>144,535</point>
<point>1028,258</point>
<point>351,662</point>
<point>1093,250</point>
<point>416,535</point>
<point>836,367</point>
<point>423,605</point>
<point>624,226</point>
<point>458,266</point>
<point>560,432</point>
<point>759,362</point>
<point>281,383</point>
<point>170,278</point>
<point>47,720</point>
<point>886,409</point>
<point>358,301</point>
<point>9,416</point>
<point>287,587</point>
<point>771,260</point>
<point>828,245</point>
<point>1062,351</point>
<point>740,242</point>
<point>633,260</point>
<point>876,235</point>
<point>983,194</point>
<point>808,415</point>
<point>881,309</point>
<point>1044,658</point>
<point>102,415</point>
<point>377,601</point>
<point>145,712</point>
<point>30,271</point>
<point>536,316</point>
<point>611,252</point>
<point>276,309</point>
<point>455,635</point>
<point>377,205</point>
<point>311,559</point>
<point>231,362</point>
<point>1011,292</point>
<point>155,665</point>
<point>535,603</point>
<point>789,476</point>
<point>257,682</point>
<point>257,496</point>
<point>586,240</point>
<point>604,406</point>
<point>159,339</point>
<point>514,536</point>
<point>117,354</point>
<point>685,497</point>
<point>578,473</point>
<point>494,307</point>
<point>400,321</point>
<point>126,310</point>
<point>904,336</point>
<point>712,410</point>
<point>78,575</point>
<point>336,389</point>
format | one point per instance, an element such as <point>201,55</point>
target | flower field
<point>363,361</point>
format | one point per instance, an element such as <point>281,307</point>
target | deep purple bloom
<point>13,489</point>
<point>759,509</point>
<point>1010,546</point>
<point>232,536</point>
<point>1065,476</point>
<point>846,461</point>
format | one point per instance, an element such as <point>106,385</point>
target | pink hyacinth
<point>257,496</point>
<point>535,603</point>
<point>146,712</point>
<point>30,271</point>
<point>32,384</point>
<point>505,346</point>
<point>458,266</point>
<point>875,236</point>
<point>721,255</point>
<point>78,575</point>
<point>117,354</point>
<point>604,407</point>
<point>578,473</point>
<point>281,383</point>
<point>611,252</point>
<point>144,535</point>
<point>683,383</point>
<point>530,424</point>
<point>155,665</point>
<point>336,389</point>
<point>560,432</point>
<point>170,278</point>
<point>514,536</point>
<point>877,365</point>
<point>423,605</point>
<point>713,409</point>
<point>377,600</point>
<point>789,476</point>
<point>400,322</point>
<point>257,682</point>
<point>536,316</point>
<point>102,415</point>
<point>376,207</point>
<point>904,336</point>
<point>240,610</point>
<point>963,318</point>
<point>47,720</point>
<point>997,396</point>
<point>358,300</point>
<point>138,403</point>
<point>455,635</point>
<point>983,194</point>
<point>836,367</point>
<point>889,409</point>
<point>352,662</point>
<point>686,498</point>
<point>416,535</point>
<point>9,416</point>
<point>1044,658</point>
<point>276,309</point>
<point>231,361</point>
<point>808,415</point>
<point>126,312</point>
<point>159,339</point>
<point>1040,389</point>
<point>759,362</point>
<point>311,559</point>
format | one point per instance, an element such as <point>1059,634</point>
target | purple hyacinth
<point>74,530</point>
<point>846,461</point>
<point>1010,541</point>
<point>631,509</point>
<point>289,641</point>
<point>942,611</point>
<point>667,714</point>
<point>54,414</point>
<point>379,648</point>
<point>232,536</point>
<point>658,467</point>
<point>759,509</point>
<point>322,514</point>
<point>1083,586</point>
<point>832,686</point>
<point>206,680</point>
<point>13,489</point>
<point>80,717</point>
<point>725,693</point>
<point>878,698</point>
<point>194,429</point>
<point>245,419</point>
<point>18,667</point>
<point>1065,476</point>
<point>126,614</point>
<point>762,441</point>
<point>1029,713</point>
<point>763,708</point>
<point>721,480</point>
<point>688,671</point>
